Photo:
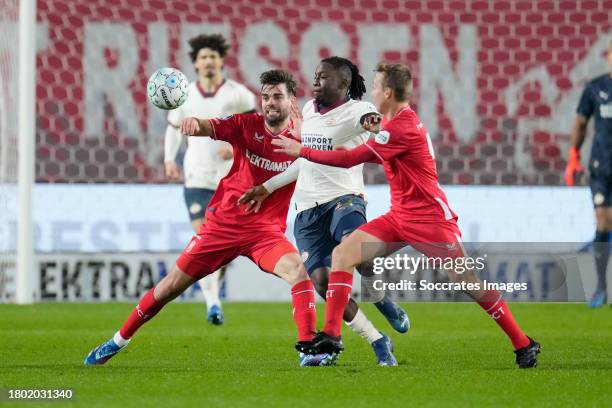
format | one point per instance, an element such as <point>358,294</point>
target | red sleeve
<point>391,142</point>
<point>227,128</point>
<point>341,158</point>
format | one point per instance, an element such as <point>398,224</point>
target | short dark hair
<point>397,77</point>
<point>357,86</point>
<point>278,76</point>
<point>215,42</point>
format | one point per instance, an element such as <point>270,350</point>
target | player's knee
<point>341,257</point>
<point>463,276</point>
<point>455,276</point>
<point>296,273</point>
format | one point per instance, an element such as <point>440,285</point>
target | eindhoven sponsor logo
<point>317,141</point>
<point>267,164</point>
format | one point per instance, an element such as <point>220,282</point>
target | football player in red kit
<point>230,231</point>
<point>419,216</point>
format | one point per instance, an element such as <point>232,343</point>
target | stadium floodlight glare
<point>26,146</point>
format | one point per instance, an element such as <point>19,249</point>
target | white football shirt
<point>318,183</point>
<point>202,165</point>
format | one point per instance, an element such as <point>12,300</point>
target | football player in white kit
<point>206,160</point>
<point>330,201</point>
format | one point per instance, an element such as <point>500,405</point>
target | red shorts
<point>215,247</point>
<point>432,239</point>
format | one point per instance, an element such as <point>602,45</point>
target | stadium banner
<point>535,272</point>
<point>117,277</point>
<point>153,217</point>
<point>527,272</point>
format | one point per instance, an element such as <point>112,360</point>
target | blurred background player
<point>419,216</point>
<point>230,231</point>
<point>206,161</point>
<point>330,201</point>
<point>596,102</point>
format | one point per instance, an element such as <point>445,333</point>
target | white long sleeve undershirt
<point>172,143</point>
<point>286,177</point>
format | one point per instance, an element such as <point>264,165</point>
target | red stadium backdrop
<point>497,82</point>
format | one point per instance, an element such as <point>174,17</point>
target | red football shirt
<point>404,147</point>
<point>254,162</point>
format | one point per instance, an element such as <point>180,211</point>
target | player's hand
<point>172,172</point>
<point>190,126</point>
<point>287,145</point>
<point>226,153</point>
<point>573,168</point>
<point>371,123</point>
<point>254,198</point>
<point>296,117</point>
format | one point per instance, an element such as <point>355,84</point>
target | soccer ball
<point>167,88</point>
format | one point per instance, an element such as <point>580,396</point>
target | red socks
<point>338,294</point>
<point>304,312</point>
<point>146,309</point>
<point>493,303</point>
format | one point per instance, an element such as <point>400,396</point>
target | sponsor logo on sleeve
<point>382,137</point>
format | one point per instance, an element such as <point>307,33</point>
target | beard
<point>276,120</point>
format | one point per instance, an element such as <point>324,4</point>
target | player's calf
<point>291,269</point>
<point>151,303</point>
<point>496,307</point>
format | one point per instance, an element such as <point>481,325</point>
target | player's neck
<point>210,84</point>
<point>395,108</point>
<point>275,130</point>
<point>323,108</point>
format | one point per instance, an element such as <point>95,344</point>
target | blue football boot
<point>103,353</point>
<point>395,315</point>
<point>599,299</point>
<point>215,315</point>
<point>383,348</point>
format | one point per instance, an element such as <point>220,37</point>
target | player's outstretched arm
<point>196,127</point>
<point>337,158</point>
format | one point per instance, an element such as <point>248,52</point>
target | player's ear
<point>388,93</point>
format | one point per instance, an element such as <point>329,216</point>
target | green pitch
<point>454,355</point>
